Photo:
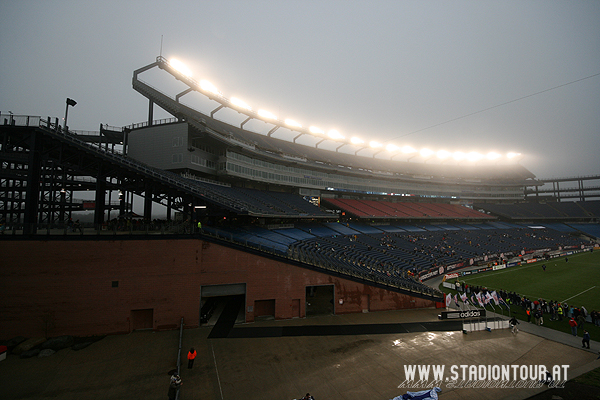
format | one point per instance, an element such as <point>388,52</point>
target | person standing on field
<point>191,357</point>
<point>573,325</point>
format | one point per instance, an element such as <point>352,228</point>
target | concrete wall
<point>156,145</point>
<point>50,288</point>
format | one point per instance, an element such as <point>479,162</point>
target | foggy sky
<point>392,71</point>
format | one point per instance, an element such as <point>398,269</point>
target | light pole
<point>72,103</point>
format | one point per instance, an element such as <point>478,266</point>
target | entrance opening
<point>218,299</point>
<point>319,300</point>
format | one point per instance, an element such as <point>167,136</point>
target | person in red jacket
<point>191,357</point>
<point>573,325</point>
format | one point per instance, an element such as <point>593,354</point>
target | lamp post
<point>72,103</point>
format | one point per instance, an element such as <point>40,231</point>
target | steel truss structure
<point>43,165</point>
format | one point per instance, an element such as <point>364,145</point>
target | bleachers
<point>386,209</point>
<point>255,202</point>
<point>559,227</point>
<point>297,234</point>
<point>589,229</point>
<point>571,209</point>
<point>538,211</point>
<point>390,228</point>
<point>590,207</point>
<point>340,228</point>
<point>395,255</point>
<point>403,252</point>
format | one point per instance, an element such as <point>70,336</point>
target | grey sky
<point>378,69</point>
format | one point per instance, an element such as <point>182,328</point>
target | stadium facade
<point>197,143</point>
<point>279,221</point>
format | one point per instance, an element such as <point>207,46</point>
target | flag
<point>429,394</point>
<point>488,298</point>
<point>473,300</point>
<point>456,300</point>
<point>501,301</point>
<point>464,298</point>
<point>495,297</point>
<point>480,299</point>
<point>448,299</point>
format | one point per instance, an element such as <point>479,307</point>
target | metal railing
<point>53,128</point>
<point>162,121</point>
<point>179,353</point>
<point>20,120</point>
<point>118,228</point>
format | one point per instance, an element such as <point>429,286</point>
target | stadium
<point>261,219</point>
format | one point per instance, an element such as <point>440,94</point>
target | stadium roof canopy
<point>499,170</point>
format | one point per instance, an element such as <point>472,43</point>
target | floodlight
<point>314,129</point>
<point>267,114</point>
<point>408,150</point>
<point>443,154</point>
<point>375,144</point>
<point>474,156</point>
<point>391,148</point>
<point>492,155</point>
<point>356,140</point>
<point>209,87</point>
<point>240,103</point>
<point>70,102</point>
<point>459,155</point>
<point>426,152</point>
<point>291,122</point>
<point>179,66</point>
<point>513,155</point>
<point>335,135</point>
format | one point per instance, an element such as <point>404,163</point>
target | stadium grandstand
<point>264,208</point>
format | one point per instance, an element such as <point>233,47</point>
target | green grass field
<point>576,282</point>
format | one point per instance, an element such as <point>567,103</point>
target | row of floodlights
<point>333,134</point>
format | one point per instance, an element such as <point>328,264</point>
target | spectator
<point>573,325</point>
<point>585,342</point>
<point>513,323</point>
<point>580,321</point>
<point>560,312</point>
<point>191,357</point>
<point>174,386</point>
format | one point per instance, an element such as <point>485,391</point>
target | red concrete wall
<point>50,288</point>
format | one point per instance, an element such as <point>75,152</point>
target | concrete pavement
<point>333,367</point>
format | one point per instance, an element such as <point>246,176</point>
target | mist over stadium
<point>251,193</point>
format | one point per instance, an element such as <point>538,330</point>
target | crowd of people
<point>538,309</point>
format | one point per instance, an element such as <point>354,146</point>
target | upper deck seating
<point>386,209</point>
<point>550,210</point>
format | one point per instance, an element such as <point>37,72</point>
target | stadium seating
<point>589,229</point>
<point>256,202</point>
<point>387,209</point>
<point>396,254</point>
<point>592,208</point>
<point>543,211</point>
